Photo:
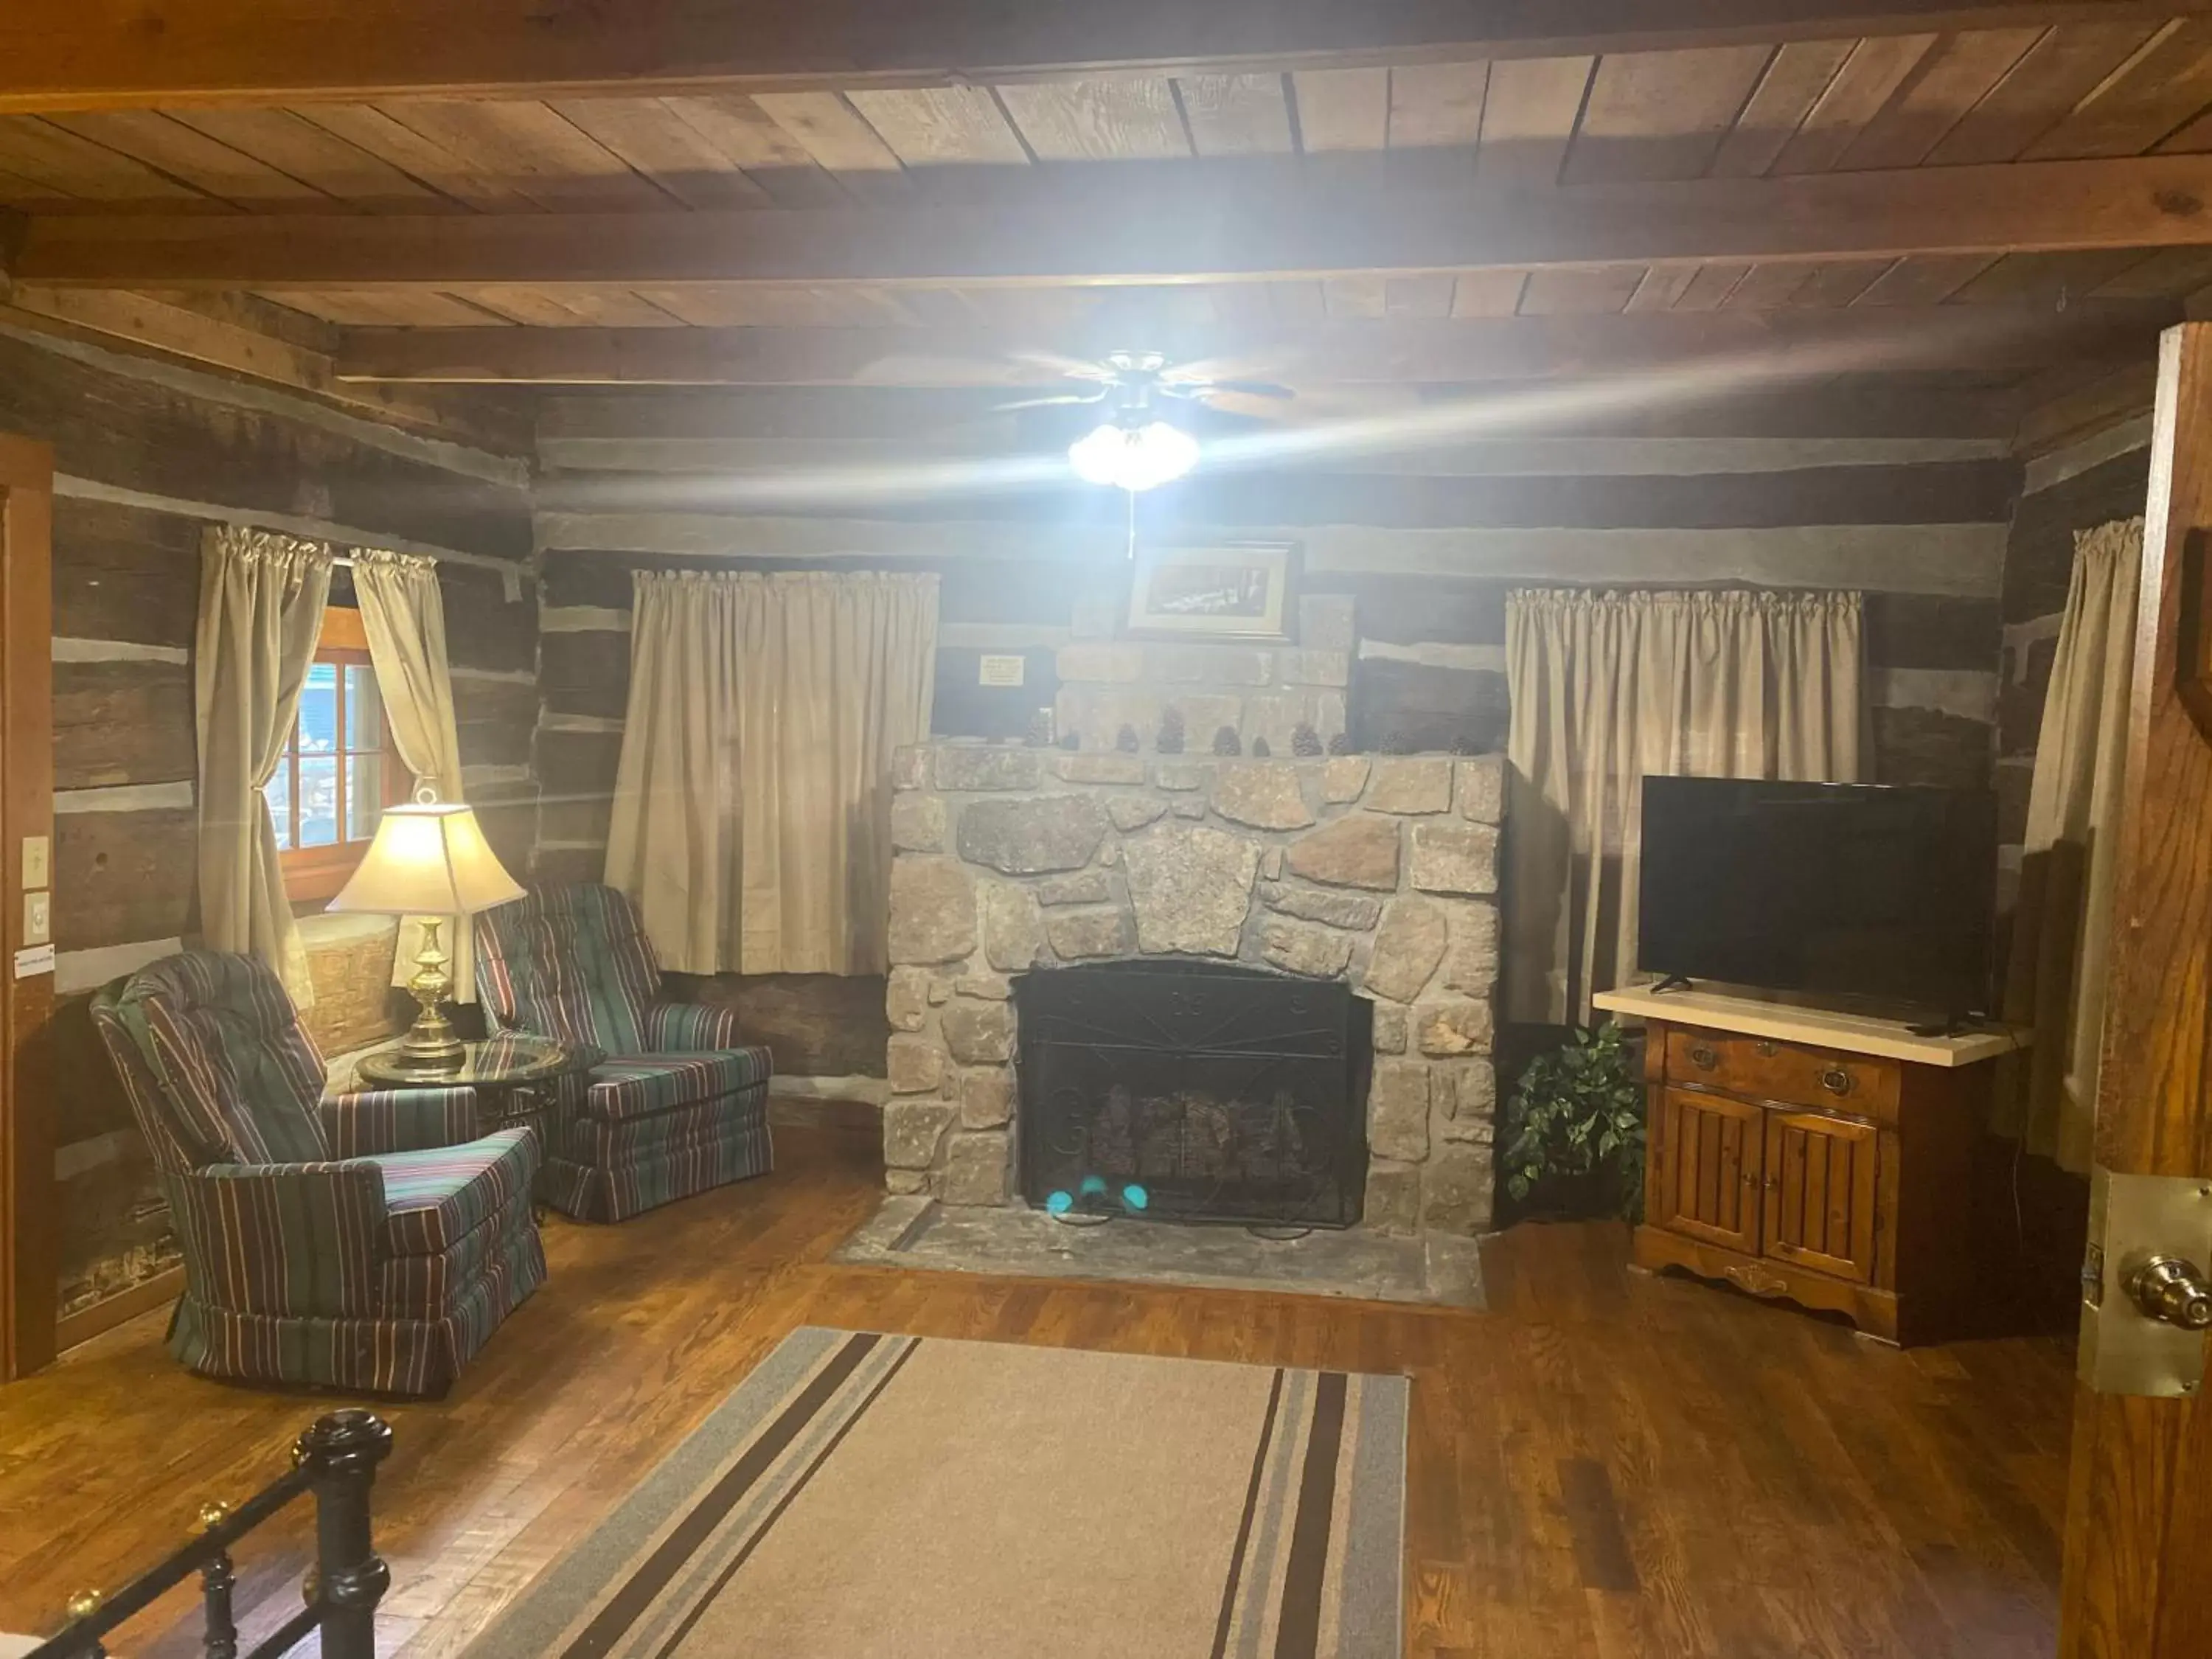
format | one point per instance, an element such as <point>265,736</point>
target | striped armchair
<point>680,1103</point>
<point>370,1240</point>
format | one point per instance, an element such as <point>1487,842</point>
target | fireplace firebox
<point>1193,1091</point>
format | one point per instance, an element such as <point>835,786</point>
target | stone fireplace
<point>1379,873</point>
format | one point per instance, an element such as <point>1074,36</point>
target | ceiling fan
<point>1133,448</point>
<point>1137,377</point>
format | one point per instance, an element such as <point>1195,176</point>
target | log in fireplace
<point>1193,1091</point>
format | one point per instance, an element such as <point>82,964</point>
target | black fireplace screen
<point>1193,1091</point>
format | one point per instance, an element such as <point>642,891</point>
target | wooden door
<point>1821,1197</point>
<point>29,1226</point>
<point>1712,1154</point>
<point>2139,1509</point>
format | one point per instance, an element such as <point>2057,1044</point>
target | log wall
<point>1427,543</point>
<point>147,455</point>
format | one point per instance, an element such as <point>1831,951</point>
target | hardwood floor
<point>1604,1465</point>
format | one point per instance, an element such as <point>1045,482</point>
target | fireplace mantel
<point>1381,872</point>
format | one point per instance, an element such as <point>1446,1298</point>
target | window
<point>339,771</point>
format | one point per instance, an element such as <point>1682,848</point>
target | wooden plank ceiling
<point>2102,83</point>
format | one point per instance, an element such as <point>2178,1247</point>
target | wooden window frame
<point>313,873</point>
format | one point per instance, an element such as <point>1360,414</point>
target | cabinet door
<point>1709,1175</point>
<point>1820,1179</point>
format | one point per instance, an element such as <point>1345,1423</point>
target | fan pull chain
<point>1132,495</point>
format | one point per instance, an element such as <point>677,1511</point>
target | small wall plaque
<point>1009,670</point>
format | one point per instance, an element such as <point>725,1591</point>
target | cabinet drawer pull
<point>1766,1048</point>
<point>1706,1055</point>
<point>1837,1081</point>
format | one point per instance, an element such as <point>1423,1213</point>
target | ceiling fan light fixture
<point>1133,458</point>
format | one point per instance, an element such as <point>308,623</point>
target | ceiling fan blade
<point>1212,369</point>
<point>1247,388</point>
<point>1072,369</point>
<point>1097,397</point>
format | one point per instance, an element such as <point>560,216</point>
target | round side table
<point>512,1074</point>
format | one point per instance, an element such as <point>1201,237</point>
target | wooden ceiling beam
<point>211,338</point>
<point>92,54</point>
<point>1728,344</point>
<point>672,420</point>
<point>1264,221</point>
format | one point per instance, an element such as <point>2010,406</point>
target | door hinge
<point>2144,1301</point>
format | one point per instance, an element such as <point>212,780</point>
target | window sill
<point>317,874</point>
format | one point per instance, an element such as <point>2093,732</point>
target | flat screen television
<point>1875,894</point>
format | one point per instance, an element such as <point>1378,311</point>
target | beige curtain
<point>261,612</point>
<point>2054,980</point>
<point>751,816</point>
<point>1609,688</point>
<point>404,614</point>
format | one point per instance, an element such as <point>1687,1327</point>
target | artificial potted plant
<point>1573,1136</point>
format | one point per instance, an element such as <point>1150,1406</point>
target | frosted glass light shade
<point>429,859</point>
<point>1134,458</point>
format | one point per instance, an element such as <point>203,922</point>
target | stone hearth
<point>1381,870</point>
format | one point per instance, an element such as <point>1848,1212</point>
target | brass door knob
<point>2171,1291</point>
<point>1705,1056</point>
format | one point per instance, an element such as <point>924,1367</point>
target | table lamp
<point>429,860</point>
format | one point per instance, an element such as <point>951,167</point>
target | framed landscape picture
<point>1240,590</point>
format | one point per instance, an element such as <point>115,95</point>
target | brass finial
<point>212,1514</point>
<point>84,1604</point>
<point>311,1585</point>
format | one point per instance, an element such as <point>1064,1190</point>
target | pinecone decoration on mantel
<point>1305,742</point>
<point>1226,742</point>
<point>1071,741</point>
<point>1125,740</point>
<point>1260,749</point>
<point>1171,736</point>
<point>1341,743</point>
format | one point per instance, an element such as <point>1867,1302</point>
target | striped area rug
<point>864,1495</point>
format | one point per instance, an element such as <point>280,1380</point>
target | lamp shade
<point>427,860</point>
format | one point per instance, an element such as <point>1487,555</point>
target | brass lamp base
<point>431,1043</point>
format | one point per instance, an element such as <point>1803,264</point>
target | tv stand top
<point>1857,1034</point>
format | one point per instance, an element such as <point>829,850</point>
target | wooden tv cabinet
<point>1820,1157</point>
